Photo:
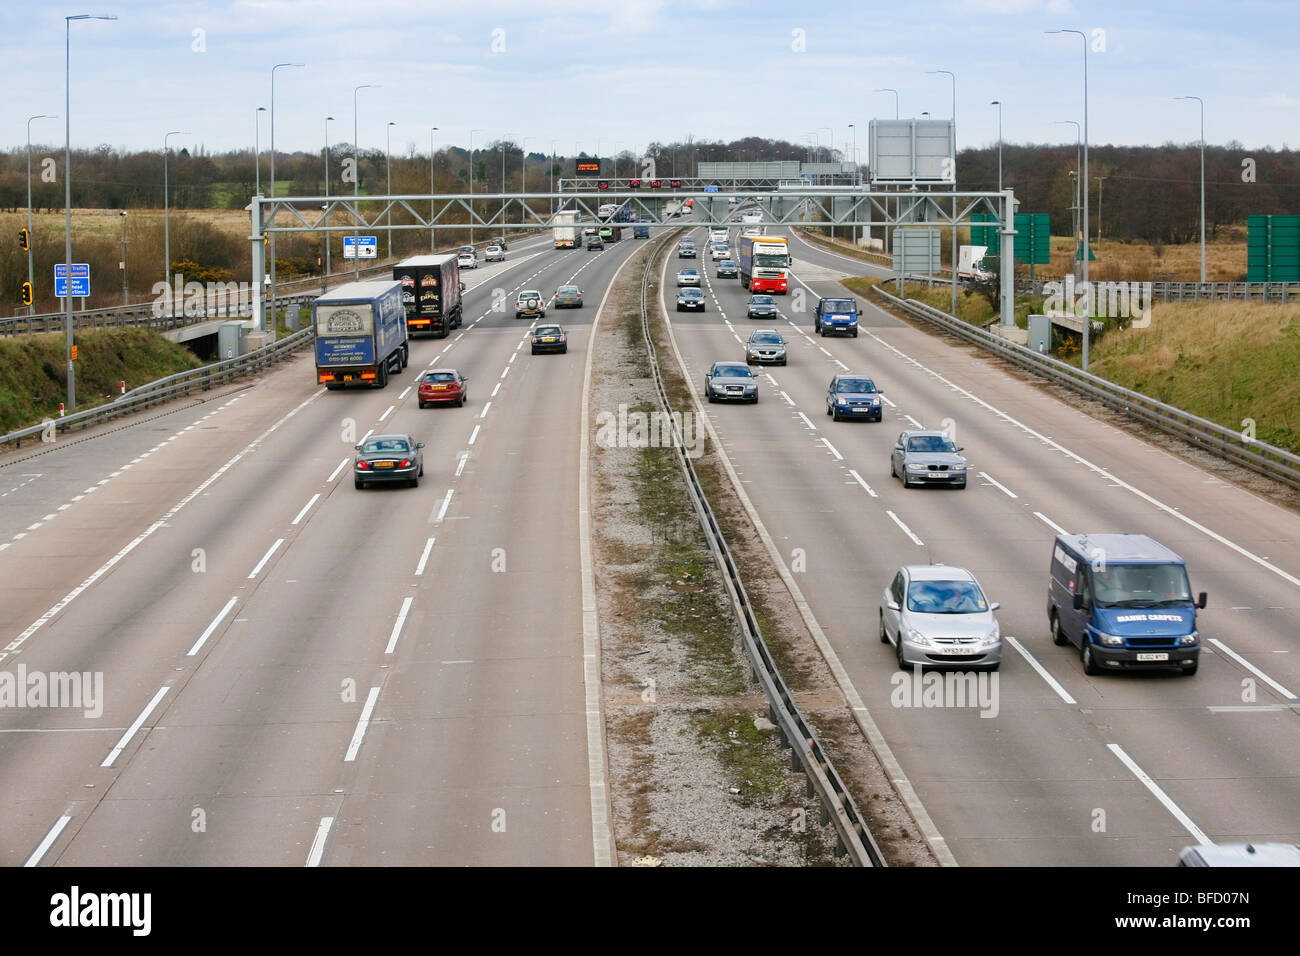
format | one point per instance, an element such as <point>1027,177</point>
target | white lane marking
<point>841,365</point>
<point>505,371</point>
<point>495,388</point>
<point>997,484</point>
<point>442,509</point>
<point>1050,523</point>
<point>906,530</point>
<point>305,508</point>
<point>473,436</point>
<point>859,479</point>
<point>1252,668</point>
<point>44,846</point>
<point>397,625</point>
<point>366,435</point>
<point>335,473</point>
<point>363,722</point>
<point>1052,682</point>
<point>387,413</point>
<point>788,400</point>
<point>318,842</point>
<point>460,463</point>
<point>513,355</point>
<point>1197,833</point>
<point>134,728</point>
<point>806,420</point>
<point>483,414</point>
<point>208,631</point>
<point>775,383</point>
<point>424,557</point>
<point>823,348</point>
<point>112,562</point>
<point>405,392</point>
<point>834,451</point>
<point>265,558</point>
<point>913,421</point>
<point>1247,708</point>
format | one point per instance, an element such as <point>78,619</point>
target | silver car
<point>926,457</point>
<point>937,615</point>
<point>765,346</point>
<point>688,277</point>
<point>731,381</point>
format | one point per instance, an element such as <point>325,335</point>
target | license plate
<point>348,378</point>
<point>960,650</point>
<point>383,464</point>
<point>1162,656</point>
<point>437,388</point>
<point>860,411</point>
<point>548,340</point>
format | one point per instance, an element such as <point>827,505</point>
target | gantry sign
<point>785,206</point>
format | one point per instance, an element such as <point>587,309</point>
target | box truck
<point>430,293</point>
<point>360,334</point>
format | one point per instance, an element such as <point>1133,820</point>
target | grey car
<point>688,277</point>
<point>854,396</point>
<point>727,269</point>
<point>926,457</point>
<point>765,346</point>
<point>761,306</point>
<point>731,381</point>
<point>937,615</point>
<point>388,458</point>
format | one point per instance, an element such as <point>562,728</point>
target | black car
<point>854,396</point>
<point>595,242</point>
<point>731,381</point>
<point>727,269</point>
<point>549,338</point>
<point>761,306</point>
<point>386,458</point>
<point>498,241</point>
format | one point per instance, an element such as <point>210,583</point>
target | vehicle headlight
<point>915,467</point>
<point>875,401</point>
<point>916,637</point>
<point>957,468</point>
<point>993,636</point>
<point>841,401</point>
<point>1109,638</point>
<point>1189,639</point>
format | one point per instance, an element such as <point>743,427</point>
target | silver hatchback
<point>937,615</point>
<point>927,457</point>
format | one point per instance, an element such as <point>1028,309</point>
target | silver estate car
<point>765,346</point>
<point>937,615</point>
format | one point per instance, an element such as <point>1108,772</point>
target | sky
<point>620,74</point>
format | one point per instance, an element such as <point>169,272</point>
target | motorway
<point>1062,769</point>
<point>296,672</point>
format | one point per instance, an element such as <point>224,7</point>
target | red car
<point>441,386</point>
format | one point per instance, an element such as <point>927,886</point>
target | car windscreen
<point>838,305</point>
<point>691,294</point>
<point>732,371</point>
<point>567,290</point>
<point>931,443</point>
<point>1140,585</point>
<point>440,377</point>
<point>549,330</point>
<point>945,597</point>
<point>761,300</point>
<point>773,338</point>
<point>385,445</point>
<point>851,385</point>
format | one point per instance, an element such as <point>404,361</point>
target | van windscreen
<point>1140,585</point>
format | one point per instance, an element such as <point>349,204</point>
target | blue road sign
<point>360,247</point>
<point>710,189</point>
<point>80,280</point>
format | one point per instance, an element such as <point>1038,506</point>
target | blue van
<point>1124,600</point>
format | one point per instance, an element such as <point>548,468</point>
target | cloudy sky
<point>627,72</point>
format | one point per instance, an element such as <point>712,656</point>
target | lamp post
<point>257,147</point>
<point>433,246</point>
<point>998,104</point>
<point>952,76</point>
<point>1077,145</point>
<point>1202,103</point>
<point>1083,176</point>
<point>551,179</point>
<point>1100,181</point>
<point>356,176</point>
<point>271,327</point>
<point>471,183</point>
<point>886,89</point>
<point>167,240</point>
<point>523,175</point>
<point>31,281</point>
<point>388,164</point>
<point>855,179</point>
<point>326,279</point>
<point>67,195</point>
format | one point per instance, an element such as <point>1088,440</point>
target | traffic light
<point>27,293</point>
<point>24,239</point>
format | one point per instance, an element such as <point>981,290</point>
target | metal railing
<point>1236,447</point>
<point>824,781</point>
<point>164,389</point>
<point>1198,291</point>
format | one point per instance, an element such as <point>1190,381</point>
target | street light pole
<point>1087,322</point>
<point>1074,268</point>
<point>1202,103</point>
<point>471,183</point>
<point>1100,181</point>
<point>257,147</point>
<point>998,104</point>
<point>271,327</point>
<point>126,293</point>
<point>325,281</point>
<point>886,89</point>
<point>67,196</point>
<point>356,177</point>
<point>433,246</point>
<point>388,163</point>
<point>31,281</point>
<point>167,240</point>
<point>853,127</point>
